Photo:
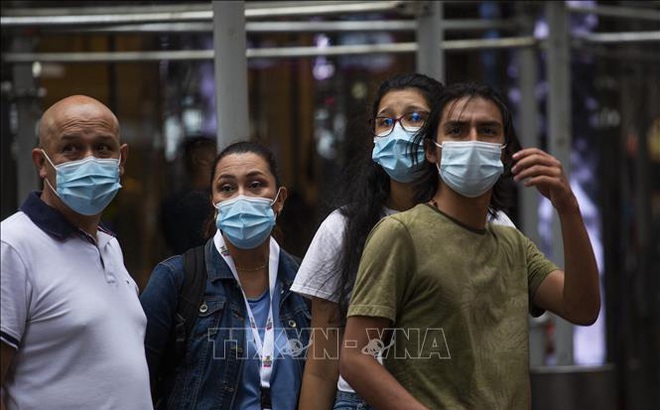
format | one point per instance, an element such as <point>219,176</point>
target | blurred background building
<point>581,76</point>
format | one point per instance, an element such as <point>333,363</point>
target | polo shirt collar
<point>49,219</point>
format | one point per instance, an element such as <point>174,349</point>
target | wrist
<point>568,206</point>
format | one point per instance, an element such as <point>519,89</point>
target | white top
<point>71,310</point>
<point>318,275</point>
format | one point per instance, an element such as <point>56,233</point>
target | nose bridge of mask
<point>386,134</point>
<point>91,158</point>
<point>482,145</point>
<point>250,199</point>
<point>398,133</point>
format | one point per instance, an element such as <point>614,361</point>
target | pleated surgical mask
<point>246,221</point>
<point>470,168</point>
<point>88,185</point>
<point>392,153</point>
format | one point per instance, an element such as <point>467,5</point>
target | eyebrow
<point>255,173</point>
<point>70,137</point>
<point>248,175</point>
<point>455,123</point>
<point>411,108</point>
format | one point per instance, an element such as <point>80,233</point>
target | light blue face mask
<point>470,168</point>
<point>246,221</point>
<point>88,185</point>
<point>392,153</point>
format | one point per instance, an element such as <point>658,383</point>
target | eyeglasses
<point>410,121</point>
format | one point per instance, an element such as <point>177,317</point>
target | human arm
<point>159,301</point>
<point>15,294</point>
<point>6,356</point>
<point>573,293</point>
<point>363,372</point>
<point>319,383</point>
<point>318,279</point>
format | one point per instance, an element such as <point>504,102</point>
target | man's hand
<point>538,168</point>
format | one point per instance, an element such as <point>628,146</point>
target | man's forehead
<point>77,114</point>
<point>85,112</point>
<point>467,107</point>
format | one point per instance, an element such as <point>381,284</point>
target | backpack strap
<point>296,259</point>
<point>190,298</point>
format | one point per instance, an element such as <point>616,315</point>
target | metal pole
<point>559,140</point>
<point>430,59</point>
<point>25,93</point>
<point>279,52</point>
<point>618,12</point>
<point>529,131</point>
<point>258,27</point>
<point>618,38</point>
<point>529,137</point>
<point>72,16</point>
<point>230,71</point>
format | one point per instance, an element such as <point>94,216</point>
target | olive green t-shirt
<point>458,300</point>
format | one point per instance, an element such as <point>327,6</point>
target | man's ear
<point>124,155</point>
<point>431,151</point>
<point>39,161</point>
<point>278,206</point>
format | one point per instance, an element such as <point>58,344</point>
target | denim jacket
<point>208,375</point>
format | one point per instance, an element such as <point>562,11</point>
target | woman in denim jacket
<point>247,347</point>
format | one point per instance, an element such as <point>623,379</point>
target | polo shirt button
<point>292,323</point>
<point>204,308</point>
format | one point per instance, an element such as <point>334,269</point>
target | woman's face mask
<point>392,153</point>
<point>246,221</point>
<point>470,168</point>
<point>88,185</point>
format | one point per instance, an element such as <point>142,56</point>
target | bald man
<point>71,325</point>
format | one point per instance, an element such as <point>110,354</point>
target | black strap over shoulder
<point>190,297</point>
<point>295,258</point>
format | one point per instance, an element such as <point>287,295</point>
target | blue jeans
<point>349,401</point>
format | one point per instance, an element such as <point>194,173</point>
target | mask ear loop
<point>55,168</point>
<point>48,158</point>
<point>437,163</point>
<point>275,200</point>
<point>276,196</point>
<point>51,187</point>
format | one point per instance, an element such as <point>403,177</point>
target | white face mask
<point>470,168</point>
